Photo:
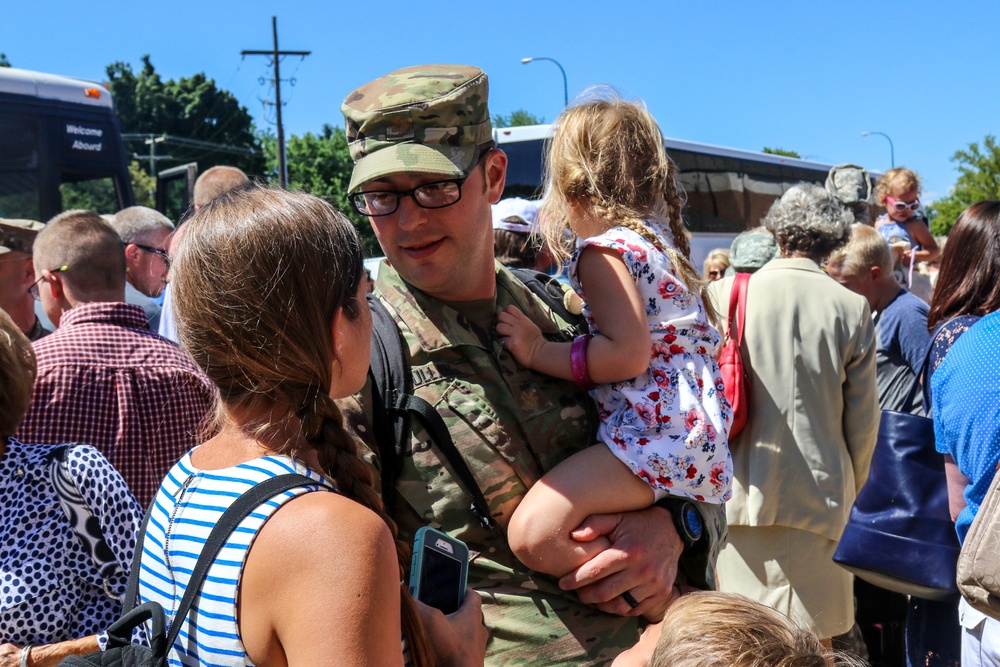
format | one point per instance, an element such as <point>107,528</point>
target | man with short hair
<point>145,232</point>
<point>864,266</point>
<point>17,273</point>
<point>426,172</point>
<point>214,182</point>
<point>103,377</point>
<point>217,181</point>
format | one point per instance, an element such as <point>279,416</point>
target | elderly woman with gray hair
<point>809,345</point>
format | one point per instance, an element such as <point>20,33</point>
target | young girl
<point>900,226</point>
<point>650,360</point>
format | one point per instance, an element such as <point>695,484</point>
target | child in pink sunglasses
<point>903,229</point>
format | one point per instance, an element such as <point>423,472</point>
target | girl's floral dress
<point>670,425</point>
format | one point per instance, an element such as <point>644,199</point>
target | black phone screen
<point>440,581</point>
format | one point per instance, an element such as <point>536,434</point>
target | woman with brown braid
<point>271,303</point>
<point>649,361</point>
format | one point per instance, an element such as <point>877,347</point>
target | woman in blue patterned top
<point>271,303</point>
<point>55,595</point>
<point>968,288</point>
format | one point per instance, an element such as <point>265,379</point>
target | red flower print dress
<point>670,425</point>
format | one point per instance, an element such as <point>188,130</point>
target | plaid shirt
<point>105,379</point>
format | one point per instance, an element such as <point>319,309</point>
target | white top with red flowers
<point>669,425</point>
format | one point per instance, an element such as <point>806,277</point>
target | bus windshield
<point>60,147</point>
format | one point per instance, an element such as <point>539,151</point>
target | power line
<point>276,55</point>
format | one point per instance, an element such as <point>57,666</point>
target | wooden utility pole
<point>276,55</point>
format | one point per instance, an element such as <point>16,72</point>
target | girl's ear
<point>335,333</point>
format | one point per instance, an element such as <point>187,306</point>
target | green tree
<point>517,118</point>
<point>321,164</point>
<point>3,60</point>
<point>143,185</point>
<point>978,179</point>
<point>191,108</point>
<point>781,151</point>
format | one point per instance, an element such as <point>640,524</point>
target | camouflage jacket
<point>510,425</point>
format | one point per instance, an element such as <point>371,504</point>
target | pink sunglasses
<point>902,206</point>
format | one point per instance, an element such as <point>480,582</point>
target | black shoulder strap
<point>390,377</point>
<point>392,404</point>
<point>227,523</point>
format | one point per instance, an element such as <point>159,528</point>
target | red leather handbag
<point>734,376</point>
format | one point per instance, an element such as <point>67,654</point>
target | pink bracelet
<point>578,362</point>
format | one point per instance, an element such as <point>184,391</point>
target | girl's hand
<point>522,337</point>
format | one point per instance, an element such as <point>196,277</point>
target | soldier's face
<point>445,252</point>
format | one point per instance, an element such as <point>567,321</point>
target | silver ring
<point>629,600</point>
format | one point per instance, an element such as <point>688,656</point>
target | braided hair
<point>607,156</point>
<point>259,277</point>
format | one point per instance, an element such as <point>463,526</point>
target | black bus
<point>60,147</point>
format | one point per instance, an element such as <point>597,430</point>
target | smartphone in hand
<point>439,570</point>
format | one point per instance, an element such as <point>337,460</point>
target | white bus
<point>728,190</point>
<point>60,147</point>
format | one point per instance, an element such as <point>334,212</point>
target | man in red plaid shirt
<point>103,377</point>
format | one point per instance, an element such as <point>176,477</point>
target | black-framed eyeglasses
<point>33,290</point>
<point>440,194</point>
<point>156,251</point>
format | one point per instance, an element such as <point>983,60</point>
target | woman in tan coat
<point>813,420</point>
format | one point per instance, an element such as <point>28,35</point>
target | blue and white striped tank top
<point>186,508</point>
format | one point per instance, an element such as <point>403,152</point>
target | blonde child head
<point>607,162</point>
<point>897,182</point>
<point>711,629</point>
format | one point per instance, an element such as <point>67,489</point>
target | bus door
<point>175,191</point>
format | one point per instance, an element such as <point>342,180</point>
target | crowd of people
<point>626,522</point>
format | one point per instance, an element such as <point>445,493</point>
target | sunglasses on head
<point>902,205</point>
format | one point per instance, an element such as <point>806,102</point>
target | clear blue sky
<point>801,75</point>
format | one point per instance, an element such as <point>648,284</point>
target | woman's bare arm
<point>321,587</point>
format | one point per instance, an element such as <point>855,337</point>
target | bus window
<point>727,190</point>
<point>87,192</point>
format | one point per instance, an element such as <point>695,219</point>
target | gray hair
<point>136,223</point>
<point>809,221</point>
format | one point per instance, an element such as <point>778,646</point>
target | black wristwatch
<point>687,520</point>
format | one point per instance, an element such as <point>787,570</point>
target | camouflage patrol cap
<point>752,250</point>
<point>18,235</point>
<point>430,119</point>
<point>850,184</point>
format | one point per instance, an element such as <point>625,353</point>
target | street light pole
<point>892,150</point>
<point>525,61</point>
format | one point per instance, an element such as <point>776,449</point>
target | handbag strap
<point>227,523</point>
<point>738,307</point>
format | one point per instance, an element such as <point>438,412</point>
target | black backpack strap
<point>392,404</point>
<point>389,374</point>
<point>227,523</point>
<point>436,428</point>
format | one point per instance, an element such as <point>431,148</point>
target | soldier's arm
<point>645,559</point>
<point>591,481</point>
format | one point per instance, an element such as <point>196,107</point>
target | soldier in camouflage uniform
<point>17,273</point>
<point>413,134</point>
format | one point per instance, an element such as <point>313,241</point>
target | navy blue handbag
<point>900,535</point>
